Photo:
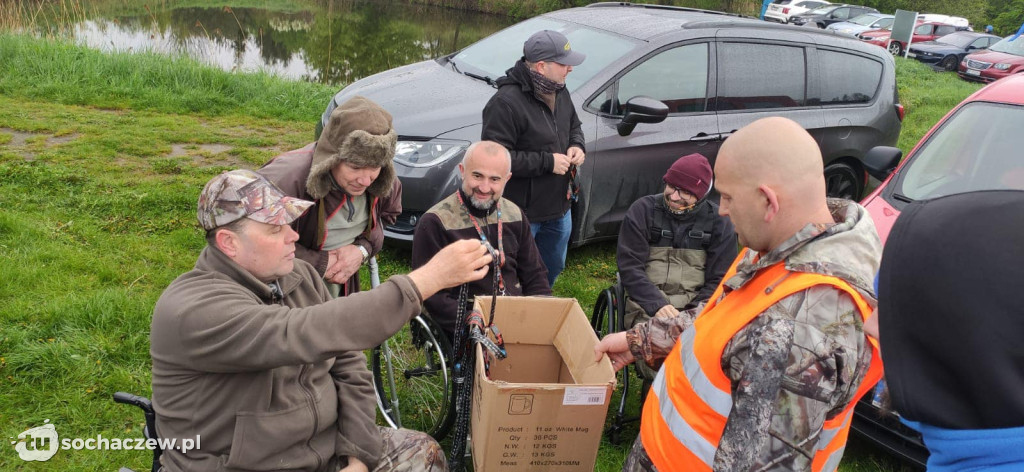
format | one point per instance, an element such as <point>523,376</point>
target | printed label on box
<point>584,396</point>
<point>520,405</point>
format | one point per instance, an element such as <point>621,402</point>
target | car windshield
<point>1015,47</point>
<point>864,20</point>
<point>978,148</point>
<point>813,4</point>
<point>958,40</point>
<point>493,55</point>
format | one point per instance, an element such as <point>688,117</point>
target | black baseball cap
<point>551,46</point>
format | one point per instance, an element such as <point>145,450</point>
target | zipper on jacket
<point>316,418</point>
<point>276,295</point>
<point>550,117</point>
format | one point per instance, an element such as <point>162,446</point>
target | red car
<point>999,60</point>
<point>976,146</point>
<point>922,32</point>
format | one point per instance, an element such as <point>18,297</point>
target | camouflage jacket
<point>801,360</point>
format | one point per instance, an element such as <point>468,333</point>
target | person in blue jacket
<point>951,321</point>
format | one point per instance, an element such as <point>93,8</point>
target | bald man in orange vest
<point>766,374</point>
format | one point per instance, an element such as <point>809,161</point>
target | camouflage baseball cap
<point>245,193</point>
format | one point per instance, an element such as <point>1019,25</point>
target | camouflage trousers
<point>638,460</point>
<point>406,450</point>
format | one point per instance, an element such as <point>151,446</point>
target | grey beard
<point>481,205</point>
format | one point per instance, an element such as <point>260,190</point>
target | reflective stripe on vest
<point>683,421</point>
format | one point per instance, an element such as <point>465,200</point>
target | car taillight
<point>900,111</point>
<point>785,11</point>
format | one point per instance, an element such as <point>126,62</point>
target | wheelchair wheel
<point>412,379</point>
<point>609,317</point>
<point>604,310</point>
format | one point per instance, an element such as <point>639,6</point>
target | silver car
<point>862,23</point>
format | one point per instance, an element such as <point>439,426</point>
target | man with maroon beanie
<point>674,248</point>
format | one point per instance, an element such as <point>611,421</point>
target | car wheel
<point>843,181</point>
<point>949,63</point>
<point>896,48</point>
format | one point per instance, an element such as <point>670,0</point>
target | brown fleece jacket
<point>269,381</point>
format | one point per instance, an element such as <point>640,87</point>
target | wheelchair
<point>150,431</point>
<point>608,317</point>
<point>412,375</point>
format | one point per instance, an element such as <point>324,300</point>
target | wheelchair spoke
<point>414,380</point>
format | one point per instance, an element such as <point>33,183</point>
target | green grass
<point>101,161</point>
<point>927,96</point>
<point>56,71</point>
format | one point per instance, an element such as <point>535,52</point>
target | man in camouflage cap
<point>767,375</point>
<point>252,354</point>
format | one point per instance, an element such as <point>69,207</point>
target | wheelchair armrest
<point>129,399</point>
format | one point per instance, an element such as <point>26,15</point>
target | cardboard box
<point>544,406</point>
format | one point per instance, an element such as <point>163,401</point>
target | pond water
<point>323,41</point>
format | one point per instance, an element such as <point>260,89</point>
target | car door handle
<point>723,136</point>
<point>704,137</point>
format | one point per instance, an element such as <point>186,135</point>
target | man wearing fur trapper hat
<point>349,173</point>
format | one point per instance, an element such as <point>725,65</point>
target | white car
<point>780,10</point>
<point>862,23</point>
<point>949,20</point>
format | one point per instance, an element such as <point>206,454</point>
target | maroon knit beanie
<point>692,173</point>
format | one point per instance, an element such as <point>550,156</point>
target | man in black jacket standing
<point>533,116</point>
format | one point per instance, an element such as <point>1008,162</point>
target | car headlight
<point>427,153</point>
<point>1002,66</point>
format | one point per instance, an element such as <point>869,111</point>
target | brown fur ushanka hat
<point>359,132</point>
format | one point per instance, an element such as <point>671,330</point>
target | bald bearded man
<point>766,375</point>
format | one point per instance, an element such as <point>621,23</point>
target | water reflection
<point>328,41</point>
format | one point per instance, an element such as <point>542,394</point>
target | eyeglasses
<point>672,189</point>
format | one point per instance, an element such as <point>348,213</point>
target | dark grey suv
<point>658,83</point>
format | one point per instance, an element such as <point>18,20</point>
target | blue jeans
<point>552,239</point>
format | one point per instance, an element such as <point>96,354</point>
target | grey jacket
<point>269,381</point>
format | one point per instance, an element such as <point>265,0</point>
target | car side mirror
<point>882,160</point>
<point>641,109</point>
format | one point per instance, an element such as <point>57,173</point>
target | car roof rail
<point>716,23</point>
<point>664,7</point>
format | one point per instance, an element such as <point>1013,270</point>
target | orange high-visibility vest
<point>691,397</point>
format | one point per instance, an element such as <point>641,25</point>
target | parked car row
<point>925,31</point>
<point>826,15</point>
<point>868,25</point>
